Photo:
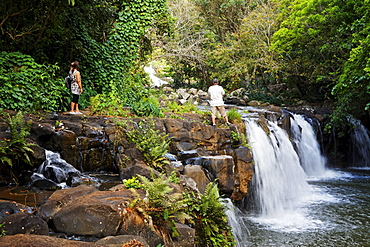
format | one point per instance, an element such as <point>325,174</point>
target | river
<point>337,213</point>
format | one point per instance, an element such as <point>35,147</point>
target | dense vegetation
<point>317,49</point>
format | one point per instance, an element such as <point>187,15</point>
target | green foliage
<point>210,220</point>
<point>313,41</point>
<point>173,106</point>
<point>245,54</point>
<point>352,88</point>
<point>152,143</point>
<point>2,231</point>
<point>161,207</point>
<point>15,151</point>
<point>132,183</point>
<point>146,107</point>
<point>239,139</point>
<point>234,116</point>
<point>29,86</point>
<point>264,97</point>
<point>108,105</point>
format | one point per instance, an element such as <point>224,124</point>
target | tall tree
<point>245,56</point>
<point>353,86</point>
<point>313,41</point>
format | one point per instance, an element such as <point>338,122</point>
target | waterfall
<point>360,139</point>
<point>156,81</point>
<point>55,171</point>
<point>279,179</point>
<point>308,148</point>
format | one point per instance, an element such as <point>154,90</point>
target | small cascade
<point>234,217</point>
<point>56,172</point>
<point>360,139</point>
<point>308,148</point>
<point>156,81</point>
<point>279,179</point>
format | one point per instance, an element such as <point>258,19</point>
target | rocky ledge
<point>199,154</point>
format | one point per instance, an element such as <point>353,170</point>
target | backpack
<point>68,81</point>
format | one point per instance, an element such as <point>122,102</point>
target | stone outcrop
<point>88,144</point>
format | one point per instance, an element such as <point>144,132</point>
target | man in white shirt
<point>215,93</point>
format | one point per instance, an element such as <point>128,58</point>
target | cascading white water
<point>236,223</point>
<point>360,144</point>
<point>279,180</point>
<point>59,172</point>
<point>312,161</point>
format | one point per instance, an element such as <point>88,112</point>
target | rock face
<point>89,145</point>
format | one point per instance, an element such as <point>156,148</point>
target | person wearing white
<point>216,92</point>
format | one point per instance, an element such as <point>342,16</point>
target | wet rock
<point>43,183</point>
<point>24,223</point>
<point>8,208</point>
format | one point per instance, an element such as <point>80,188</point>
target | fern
<point>210,220</point>
<point>149,141</point>
<point>161,207</point>
<point>15,150</point>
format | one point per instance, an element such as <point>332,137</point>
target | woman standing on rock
<point>76,87</point>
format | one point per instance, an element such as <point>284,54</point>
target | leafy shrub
<point>132,183</point>
<point>28,86</point>
<point>2,231</point>
<point>239,139</point>
<point>152,143</point>
<point>146,107</point>
<point>107,104</point>
<point>173,106</point>
<point>234,116</point>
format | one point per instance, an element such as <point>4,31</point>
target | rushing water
<point>336,214</point>
<point>299,202</point>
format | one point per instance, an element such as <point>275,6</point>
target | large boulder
<point>197,174</point>
<point>137,168</point>
<point>62,198</point>
<point>220,167</point>
<point>187,236</point>
<point>24,223</point>
<point>27,240</point>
